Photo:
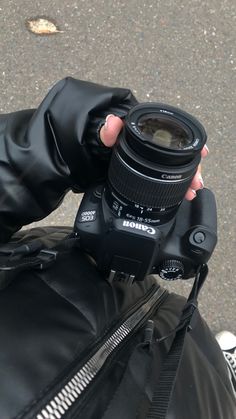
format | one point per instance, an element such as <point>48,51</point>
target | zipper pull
<point>148,333</point>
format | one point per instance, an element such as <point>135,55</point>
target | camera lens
<point>164,132</point>
<point>153,163</point>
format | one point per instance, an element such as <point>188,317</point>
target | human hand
<point>110,131</point>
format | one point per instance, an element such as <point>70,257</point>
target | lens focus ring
<point>143,190</point>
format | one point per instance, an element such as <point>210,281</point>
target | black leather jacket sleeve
<point>48,151</point>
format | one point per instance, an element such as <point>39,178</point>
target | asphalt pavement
<point>180,53</point>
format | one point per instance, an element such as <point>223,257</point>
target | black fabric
<point>51,320</point>
<point>33,253</point>
<point>48,151</point>
<point>128,398</point>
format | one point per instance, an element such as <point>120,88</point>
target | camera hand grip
<point>204,211</point>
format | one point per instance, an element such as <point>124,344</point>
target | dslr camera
<point>138,222</point>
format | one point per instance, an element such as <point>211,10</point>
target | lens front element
<point>164,132</point>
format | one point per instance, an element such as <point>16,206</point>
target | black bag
<point>74,346</point>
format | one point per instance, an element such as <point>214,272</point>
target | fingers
<point>110,130</point>
<point>190,194</point>
<point>197,182</point>
<point>205,151</point>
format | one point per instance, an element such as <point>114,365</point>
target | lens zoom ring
<point>145,191</point>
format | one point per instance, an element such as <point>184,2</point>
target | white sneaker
<point>227,342</point>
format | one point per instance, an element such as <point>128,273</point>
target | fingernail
<point>201,181</point>
<point>194,192</point>
<point>106,125</point>
<point>207,149</point>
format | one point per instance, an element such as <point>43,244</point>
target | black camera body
<point>127,250</point>
<point>138,223</point>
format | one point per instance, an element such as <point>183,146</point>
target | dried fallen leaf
<point>42,26</point>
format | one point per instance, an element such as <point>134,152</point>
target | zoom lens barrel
<point>154,162</point>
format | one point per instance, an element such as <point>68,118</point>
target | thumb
<point>110,130</point>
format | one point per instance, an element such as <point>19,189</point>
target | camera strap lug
<point>46,258</point>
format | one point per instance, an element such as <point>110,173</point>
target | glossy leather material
<point>48,151</point>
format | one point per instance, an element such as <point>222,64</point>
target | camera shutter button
<point>171,270</point>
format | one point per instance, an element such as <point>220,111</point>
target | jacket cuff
<point>72,112</point>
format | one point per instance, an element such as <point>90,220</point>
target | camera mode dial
<point>171,270</point>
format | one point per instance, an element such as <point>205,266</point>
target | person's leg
<point>227,342</point>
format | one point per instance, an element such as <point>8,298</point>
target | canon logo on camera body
<point>139,226</point>
<point>166,176</point>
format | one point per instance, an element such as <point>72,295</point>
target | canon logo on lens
<point>171,177</point>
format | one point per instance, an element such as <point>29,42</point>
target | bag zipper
<point>59,405</point>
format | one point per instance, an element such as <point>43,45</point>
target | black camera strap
<point>163,392</point>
